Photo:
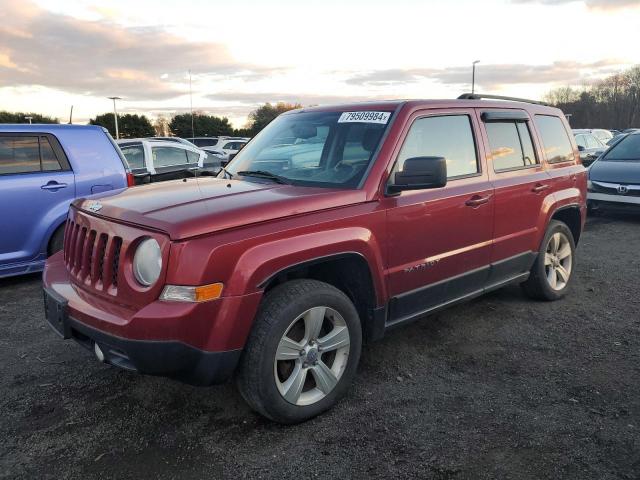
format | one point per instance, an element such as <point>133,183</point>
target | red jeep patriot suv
<point>331,226</point>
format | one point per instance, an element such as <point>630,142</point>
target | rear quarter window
<point>555,139</point>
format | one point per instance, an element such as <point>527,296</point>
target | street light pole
<point>191,106</point>
<point>29,118</point>
<point>115,114</point>
<point>473,77</point>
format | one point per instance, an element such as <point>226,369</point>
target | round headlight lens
<point>147,262</point>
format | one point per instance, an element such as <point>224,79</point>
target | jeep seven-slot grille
<point>92,257</point>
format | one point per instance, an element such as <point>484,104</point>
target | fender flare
<point>257,265</point>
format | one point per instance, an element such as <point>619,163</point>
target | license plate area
<point>56,313</point>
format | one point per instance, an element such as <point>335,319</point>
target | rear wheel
<point>551,272</point>
<point>302,353</point>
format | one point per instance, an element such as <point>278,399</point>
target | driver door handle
<point>477,200</point>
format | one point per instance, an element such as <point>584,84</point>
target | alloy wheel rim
<point>558,261</point>
<point>311,356</point>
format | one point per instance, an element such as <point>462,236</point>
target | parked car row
<point>223,147</point>
<point>153,160</point>
<point>590,144</point>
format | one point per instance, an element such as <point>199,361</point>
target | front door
<point>439,240</point>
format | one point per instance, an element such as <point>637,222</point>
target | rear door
<point>35,178</point>
<point>521,186</point>
<point>556,146</point>
<point>169,162</point>
<point>439,240</point>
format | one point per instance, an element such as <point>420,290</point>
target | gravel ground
<point>502,387</point>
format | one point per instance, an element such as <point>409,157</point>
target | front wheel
<point>302,353</point>
<point>551,272</point>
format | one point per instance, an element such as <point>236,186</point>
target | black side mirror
<point>580,148</point>
<point>420,173</point>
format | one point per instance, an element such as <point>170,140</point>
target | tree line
<point>612,103</point>
<point>138,126</point>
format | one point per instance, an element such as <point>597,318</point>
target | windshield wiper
<point>264,174</point>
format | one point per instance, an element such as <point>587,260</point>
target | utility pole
<point>191,106</point>
<point>473,76</point>
<point>115,114</point>
<point>71,115</point>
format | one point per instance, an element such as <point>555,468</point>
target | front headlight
<point>147,262</point>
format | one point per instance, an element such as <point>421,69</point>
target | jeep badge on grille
<point>94,206</point>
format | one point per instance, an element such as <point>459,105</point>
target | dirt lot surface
<point>502,387</point>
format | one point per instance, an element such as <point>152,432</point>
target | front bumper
<point>162,358</point>
<point>198,343</point>
<point>614,201</point>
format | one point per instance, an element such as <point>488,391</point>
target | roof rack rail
<point>480,96</point>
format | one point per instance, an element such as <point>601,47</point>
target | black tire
<point>280,307</point>
<point>537,286</point>
<point>57,241</point>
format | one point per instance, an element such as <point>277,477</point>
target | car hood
<point>627,171</point>
<point>198,206</point>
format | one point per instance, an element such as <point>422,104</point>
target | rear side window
<point>511,145</point>
<point>448,136</point>
<point>26,154</point>
<point>192,157</point>
<point>205,142</point>
<point>555,140</point>
<point>167,156</point>
<point>134,155</point>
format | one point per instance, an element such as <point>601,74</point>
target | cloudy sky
<point>54,54</point>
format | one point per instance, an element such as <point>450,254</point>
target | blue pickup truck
<point>43,168</point>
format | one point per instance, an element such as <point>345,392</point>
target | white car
<point>158,160</point>
<point>227,148</point>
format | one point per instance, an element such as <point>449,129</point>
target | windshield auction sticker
<point>364,117</point>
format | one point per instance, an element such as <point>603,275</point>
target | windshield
<point>331,149</point>
<point>627,149</point>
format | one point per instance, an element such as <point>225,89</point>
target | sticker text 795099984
<point>365,117</point>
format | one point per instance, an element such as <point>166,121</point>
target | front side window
<point>581,141</point>
<point>325,149</point>
<point>628,149</point>
<point>555,139</point>
<point>20,154</point>
<point>134,155</point>
<point>511,145</point>
<point>168,156</point>
<point>448,136</point>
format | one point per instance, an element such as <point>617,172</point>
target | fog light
<point>99,353</point>
<point>180,293</point>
